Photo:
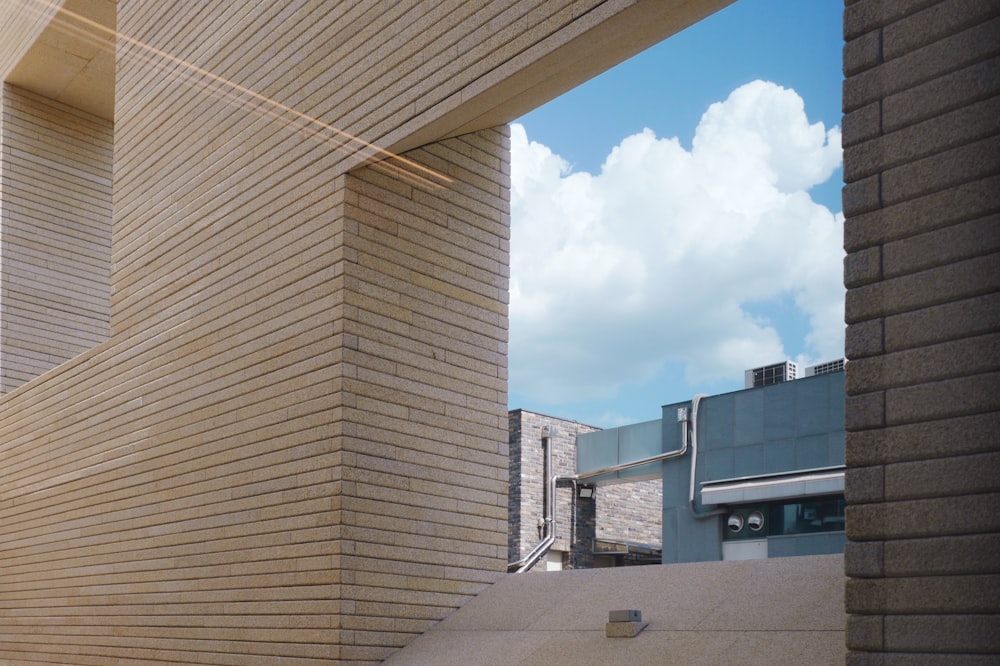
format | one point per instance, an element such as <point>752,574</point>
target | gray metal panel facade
<point>787,427</point>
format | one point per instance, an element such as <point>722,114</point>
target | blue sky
<point>646,269</point>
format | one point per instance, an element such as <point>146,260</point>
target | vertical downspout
<point>695,401</point>
<point>549,488</point>
<point>549,480</point>
<point>538,551</point>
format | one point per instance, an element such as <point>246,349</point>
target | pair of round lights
<point>755,521</point>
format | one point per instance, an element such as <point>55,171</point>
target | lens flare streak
<point>196,77</point>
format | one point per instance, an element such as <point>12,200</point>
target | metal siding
<point>748,417</point>
<point>596,450</point>
<point>638,441</point>
<point>715,422</point>
<point>812,452</point>
<point>779,455</point>
<point>779,412</point>
<point>812,414</point>
<point>791,545</point>
<point>749,460</point>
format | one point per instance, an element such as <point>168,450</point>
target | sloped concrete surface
<point>778,611</point>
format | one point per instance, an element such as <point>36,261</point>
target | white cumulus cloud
<point>656,258</point>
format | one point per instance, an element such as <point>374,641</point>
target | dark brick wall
<point>631,512</point>
<point>922,233</point>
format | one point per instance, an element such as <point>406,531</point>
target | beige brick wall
<point>425,391</point>
<point>399,74</point>
<point>325,492</point>
<point>23,21</point>
<point>293,444</point>
<point>177,496</point>
<point>55,227</point>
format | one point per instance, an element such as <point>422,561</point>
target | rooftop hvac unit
<point>770,374</point>
<point>825,368</point>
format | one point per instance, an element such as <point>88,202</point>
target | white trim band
<point>742,491</point>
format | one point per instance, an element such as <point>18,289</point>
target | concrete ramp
<point>777,611</point>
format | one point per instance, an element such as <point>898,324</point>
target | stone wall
<point>922,167</point>
<point>527,480</point>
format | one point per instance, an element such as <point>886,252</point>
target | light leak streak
<point>231,92</point>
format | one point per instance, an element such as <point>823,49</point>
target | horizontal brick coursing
<point>628,512</point>
<point>925,517</point>
<point>183,490</point>
<point>944,360</point>
<point>966,124</point>
<point>425,456</point>
<point>20,29</point>
<point>943,283</point>
<point>921,199</point>
<point>422,56</point>
<point>196,502</point>
<point>254,464</point>
<point>923,440</point>
<point>56,217</point>
<point>940,210</point>
<point>972,44</point>
<point>943,594</point>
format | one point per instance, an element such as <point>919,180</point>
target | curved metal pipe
<point>695,402</point>
<point>638,463</point>
<point>539,550</point>
<point>548,511</point>
<point>531,559</point>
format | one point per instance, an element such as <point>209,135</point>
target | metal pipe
<point>548,509</point>
<point>639,463</point>
<point>531,559</point>
<point>550,491</point>
<point>695,402</point>
<point>538,551</point>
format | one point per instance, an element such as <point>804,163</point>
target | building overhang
<point>73,59</point>
<point>768,487</point>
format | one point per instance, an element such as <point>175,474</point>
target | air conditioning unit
<point>770,374</point>
<point>825,368</point>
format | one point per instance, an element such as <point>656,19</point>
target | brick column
<point>424,424</point>
<point>922,173</point>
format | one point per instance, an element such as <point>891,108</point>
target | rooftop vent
<point>825,368</point>
<point>770,374</point>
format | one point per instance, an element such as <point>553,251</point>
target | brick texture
<point>55,162</point>
<point>301,393</point>
<point>291,447</point>
<point>921,169</point>
<point>528,485</point>
<point>629,512</point>
<point>23,22</point>
<point>424,392</point>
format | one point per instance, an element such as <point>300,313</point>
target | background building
<point>614,525</point>
<point>768,469</point>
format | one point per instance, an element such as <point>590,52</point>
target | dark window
<point>817,514</point>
